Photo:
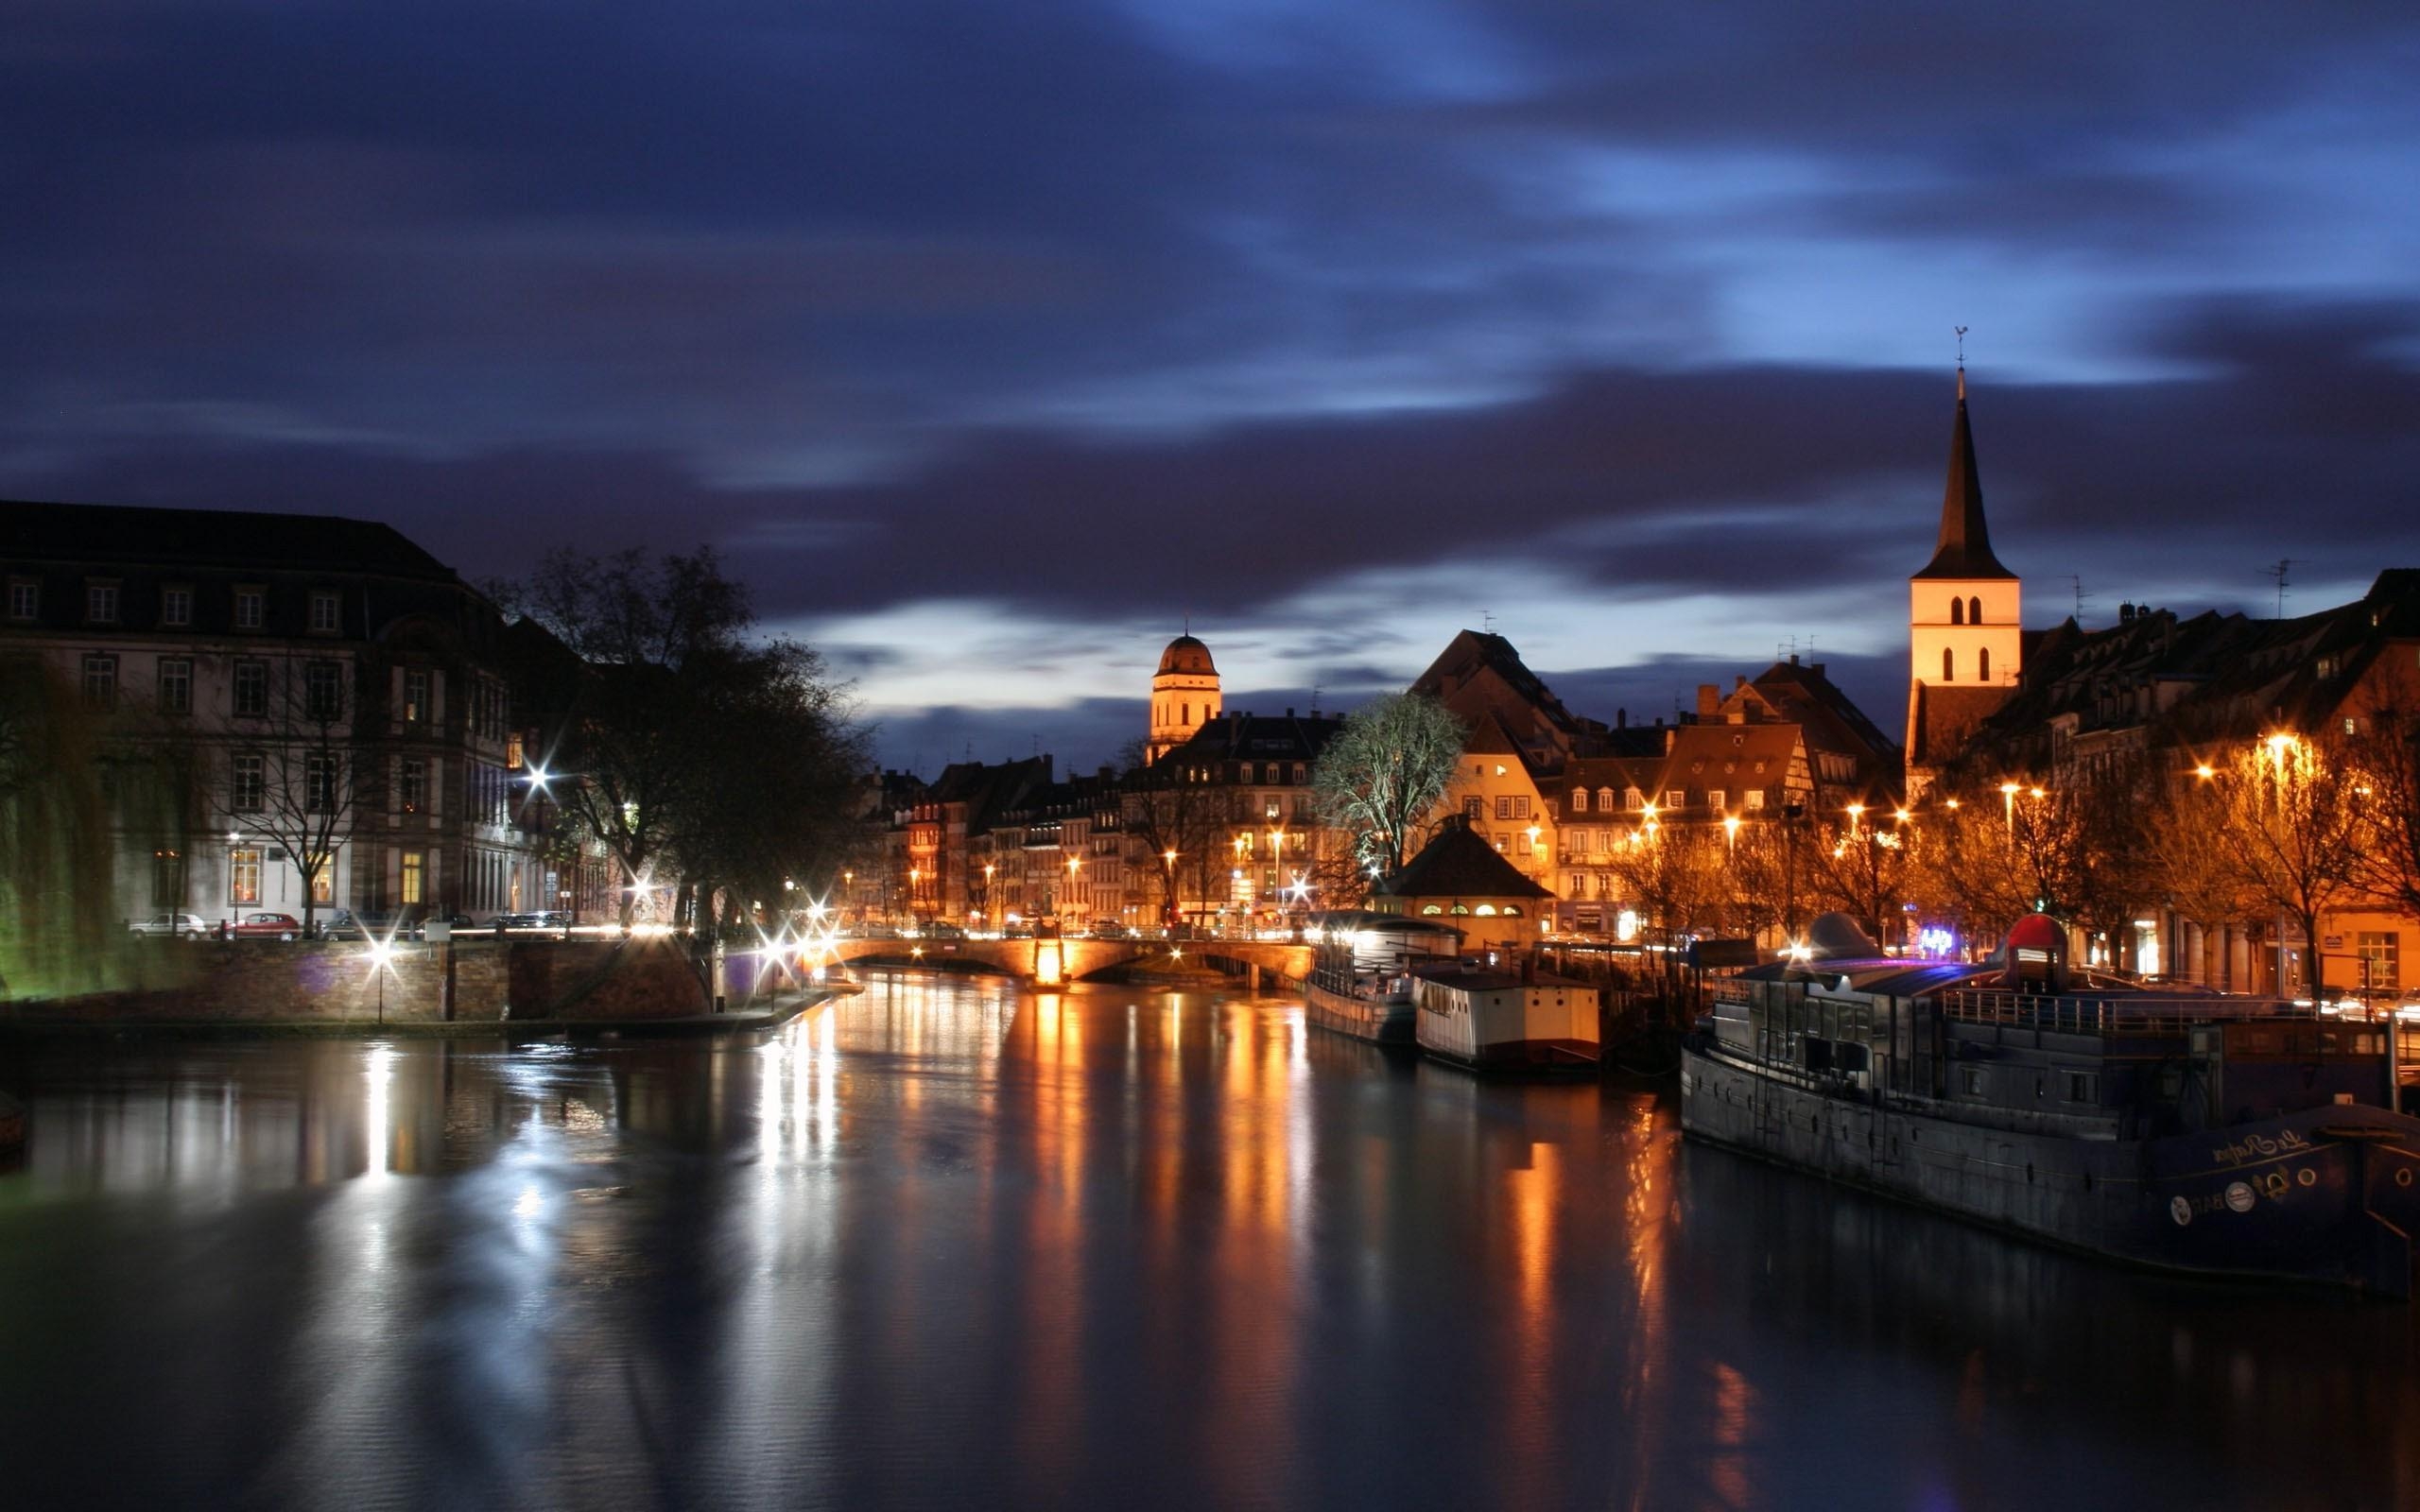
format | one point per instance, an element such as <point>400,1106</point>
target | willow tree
<point>1383,771</point>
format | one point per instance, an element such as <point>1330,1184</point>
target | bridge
<point>1046,962</point>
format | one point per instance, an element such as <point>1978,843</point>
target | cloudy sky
<point>989,339</point>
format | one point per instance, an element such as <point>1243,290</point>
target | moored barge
<point>1520,1020</point>
<point>1361,964</point>
<point>2221,1135</point>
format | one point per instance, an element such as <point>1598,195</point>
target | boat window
<point>1971,1081</point>
<point>1486,910</point>
<point>2083,1087</point>
<point>1462,908</point>
<point>1431,908</point>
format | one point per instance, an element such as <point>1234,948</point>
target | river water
<point>951,1245</point>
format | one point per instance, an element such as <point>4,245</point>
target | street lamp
<point>382,952</point>
<point>1857,813</point>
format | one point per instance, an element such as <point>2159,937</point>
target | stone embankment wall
<point>332,981</point>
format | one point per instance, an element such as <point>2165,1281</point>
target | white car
<point>189,925</point>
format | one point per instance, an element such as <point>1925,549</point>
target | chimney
<point>1290,711</point>
<point>1621,719</point>
<point>1709,698</point>
<point>1739,680</point>
<point>1793,659</point>
<point>1817,669</point>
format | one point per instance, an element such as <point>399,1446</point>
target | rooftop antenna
<point>2278,571</point>
<point>1487,621</point>
<point>1315,700</point>
<point>2082,599</point>
<point>1961,361</point>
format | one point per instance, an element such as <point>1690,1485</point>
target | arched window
<point>1486,910</point>
<point>1949,668</point>
<point>1956,611</point>
<point>1578,800</point>
<point>1188,714</point>
<point>1430,909</point>
<point>1511,910</point>
<point>1973,612</point>
<point>1984,664</point>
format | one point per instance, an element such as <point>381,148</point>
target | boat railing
<point>2129,1014</point>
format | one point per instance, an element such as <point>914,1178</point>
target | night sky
<point>991,339</point>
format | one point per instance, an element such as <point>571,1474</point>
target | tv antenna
<point>1487,621</point>
<point>2284,565</point>
<point>2082,599</point>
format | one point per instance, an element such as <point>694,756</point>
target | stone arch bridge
<point>1046,961</point>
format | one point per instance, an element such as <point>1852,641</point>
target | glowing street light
<point>1730,831</point>
<point>382,954</point>
<point>1857,814</point>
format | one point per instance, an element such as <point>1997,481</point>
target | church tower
<point>1965,640</point>
<point>1184,696</point>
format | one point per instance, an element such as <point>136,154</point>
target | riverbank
<point>770,1011</point>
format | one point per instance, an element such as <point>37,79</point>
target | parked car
<point>269,926</point>
<point>538,919</point>
<point>944,929</point>
<point>189,925</point>
<point>1111,929</point>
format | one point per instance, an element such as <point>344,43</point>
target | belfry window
<point>1948,665</point>
<point>1975,612</point>
<point>1956,611</point>
<point>1984,664</point>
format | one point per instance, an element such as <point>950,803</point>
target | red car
<point>277,927</point>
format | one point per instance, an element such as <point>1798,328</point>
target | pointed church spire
<point>1965,550</point>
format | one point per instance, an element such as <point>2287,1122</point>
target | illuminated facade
<point>1184,696</point>
<point>1965,637</point>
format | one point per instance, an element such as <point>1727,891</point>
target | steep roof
<point>1458,864</point>
<point>202,537</point>
<point>1480,672</point>
<point>1966,547</point>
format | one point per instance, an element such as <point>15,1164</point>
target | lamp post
<point>381,952</point>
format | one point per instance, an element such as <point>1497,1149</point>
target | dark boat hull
<point>2329,1194</point>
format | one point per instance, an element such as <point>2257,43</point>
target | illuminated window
<point>1511,910</point>
<point>1756,797</point>
<point>1430,909</point>
<point>1578,800</point>
<point>411,876</point>
<point>1485,910</point>
<point>323,888</point>
<point>1677,798</point>
<point>1633,799</point>
<point>415,696</point>
<point>244,875</point>
<point>2380,965</point>
<point>1713,797</point>
<point>512,752</point>
<point>413,786</point>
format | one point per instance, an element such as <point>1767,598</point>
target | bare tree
<point>2387,753</point>
<point>2291,821</point>
<point>297,770</point>
<point>1865,867</point>
<point>1172,816</point>
<point>1384,771</point>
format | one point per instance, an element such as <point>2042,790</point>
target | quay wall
<point>267,981</point>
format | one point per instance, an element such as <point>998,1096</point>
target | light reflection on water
<point>948,1244</point>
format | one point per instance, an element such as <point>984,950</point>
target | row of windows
<point>317,783</point>
<point>322,689</point>
<point>103,598</point>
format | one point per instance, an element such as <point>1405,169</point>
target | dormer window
<point>25,598</point>
<point>101,603</point>
<point>252,608</point>
<point>1578,800</point>
<point>176,607</point>
<point>323,612</point>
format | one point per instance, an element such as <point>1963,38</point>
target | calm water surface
<point>949,1245</point>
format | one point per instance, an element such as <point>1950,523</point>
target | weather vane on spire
<point>1962,359</point>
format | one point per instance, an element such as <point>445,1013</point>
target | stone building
<point>290,687</point>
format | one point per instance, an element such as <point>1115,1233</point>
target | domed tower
<point>1184,695</point>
